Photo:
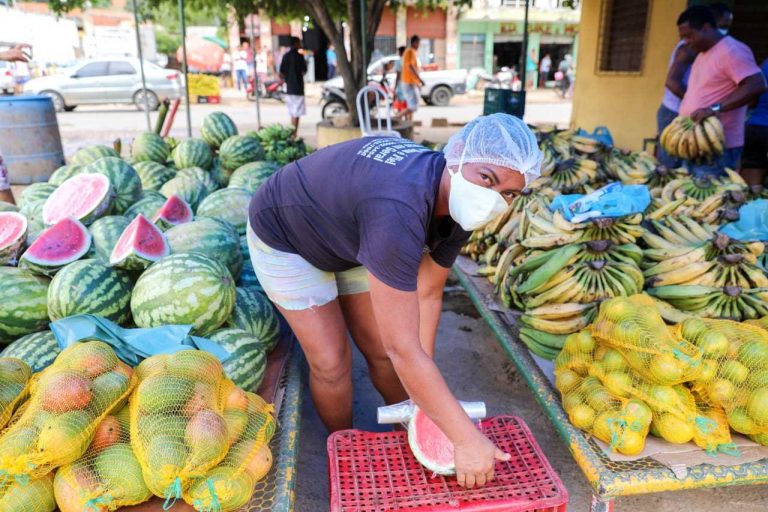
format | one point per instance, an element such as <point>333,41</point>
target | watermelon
<point>148,205</point>
<point>66,241</point>
<point>192,153</point>
<point>23,307</point>
<point>140,244</point>
<point>239,150</point>
<point>153,175</point>
<point>8,207</point>
<point>201,175</point>
<point>217,127</point>
<point>38,350</point>
<point>228,204</point>
<point>185,288</point>
<point>187,188</point>
<point>105,233</point>
<point>430,445</point>
<point>248,277</point>
<point>85,197</point>
<point>35,224</point>
<point>90,154</point>
<point>247,361</point>
<point>251,176</point>
<point>149,147</point>
<point>254,313</point>
<point>90,287</point>
<point>174,211</point>
<point>13,235</point>
<point>35,192</point>
<point>219,174</point>
<point>210,237</point>
<point>64,172</point>
<point>124,179</point>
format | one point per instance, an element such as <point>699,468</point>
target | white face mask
<point>723,31</point>
<point>471,205</point>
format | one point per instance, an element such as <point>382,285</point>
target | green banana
<point>557,260</point>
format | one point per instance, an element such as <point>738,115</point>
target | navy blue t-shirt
<point>364,202</point>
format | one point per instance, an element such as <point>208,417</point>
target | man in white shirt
<point>241,68</point>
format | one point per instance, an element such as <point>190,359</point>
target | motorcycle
<point>268,89</point>
<point>334,99</point>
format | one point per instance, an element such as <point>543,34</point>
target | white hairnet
<point>498,139</point>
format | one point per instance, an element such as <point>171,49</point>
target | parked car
<point>99,81</point>
<point>7,77</point>
<point>439,86</point>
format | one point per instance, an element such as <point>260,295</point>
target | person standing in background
<point>15,54</point>
<point>225,70</point>
<point>724,80</point>
<point>292,70</point>
<point>410,79</point>
<point>544,68</point>
<point>330,57</point>
<point>241,68</point>
<point>723,16</point>
<point>754,162</point>
<point>678,71</point>
<point>530,70</point>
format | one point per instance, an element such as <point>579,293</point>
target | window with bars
<point>622,35</point>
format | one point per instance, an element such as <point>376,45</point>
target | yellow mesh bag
<point>633,326</point>
<point>605,411</point>
<point>713,433</point>
<point>735,371</point>
<point>14,379</point>
<point>178,431</point>
<point>108,476</point>
<point>67,402</point>
<point>29,495</point>
<point>229,486</point>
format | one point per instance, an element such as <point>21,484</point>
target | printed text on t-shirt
<point>390,151</point>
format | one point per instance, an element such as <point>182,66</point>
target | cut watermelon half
<point>59,245</point>
<point>140,244</point>
<point>173,212</point>
<point>430,445</point>
<point>85,197</point>
<point>13,234</point>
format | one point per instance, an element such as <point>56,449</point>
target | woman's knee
<point>332,370</point>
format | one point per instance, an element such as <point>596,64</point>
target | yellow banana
<point>702,142</point>
<point>696,254</point>
<point>566,326</point>
<point>551,240</point>
<point>559,311</point>
<point>714,130</point>
<point>666,209</point>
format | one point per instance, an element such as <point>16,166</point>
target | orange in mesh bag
<point>14,379</point>
<point>634,327</point>
<point>735,374</point>
<point>108,476</point>
<point>229,486</point>
<point>178,431</point>
<point>593,406</point>
<point>67,402</point>
<point>29,495</point>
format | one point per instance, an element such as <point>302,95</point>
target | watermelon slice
<point>140,244</point>
<point>429,445</point>
<point>13,234</point>
<point>59,245</point>
<point>175,211</point>
<point>85,197</point>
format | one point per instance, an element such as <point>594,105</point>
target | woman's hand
<point>475,459</point>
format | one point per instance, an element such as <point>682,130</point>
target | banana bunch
<point>572,174</point>
<point>689,140</point>
<point>545,229</point>
<point>676,232</point>
<point>555,142</point>
<point>544,329</point>
<point>729,302</point>
<point>629,167</point>
<point>663,175</point>
<point>586,145</point>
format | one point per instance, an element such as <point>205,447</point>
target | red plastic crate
<point>376,472</point>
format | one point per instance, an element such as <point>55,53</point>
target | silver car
<point>100,81</point>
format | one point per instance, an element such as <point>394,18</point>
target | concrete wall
<point>624,102</point>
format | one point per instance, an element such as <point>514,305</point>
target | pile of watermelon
<point>153,238</point>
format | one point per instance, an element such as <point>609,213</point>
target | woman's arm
<point>683,59</point>
<point>431,281</point>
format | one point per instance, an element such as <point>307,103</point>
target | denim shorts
<point>411,95</point>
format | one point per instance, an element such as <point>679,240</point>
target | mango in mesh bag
<point>736,371</point>
<point>34,495</point>
<point>230,485</point>
<point>178,431</point>
<point>600,408</point>
<point>67,402</point>
<point>633,326</point>
<point>14,379</point>
<point>108,476</point>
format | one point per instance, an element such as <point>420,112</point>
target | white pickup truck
<point>439,86</point>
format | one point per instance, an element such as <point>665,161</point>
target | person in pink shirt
<point>724,79</point>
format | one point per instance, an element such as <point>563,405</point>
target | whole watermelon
<point>105,232</point>
<point>239,150</point>
<point>90,287</point>
<point>153,175</point>
<point>254,313</point>
<point>64,172</point>
<point>184,288</point>
<point>8,207</point>
<point>86,156</point>
<point>248,277</point>
<point>227,204</point>
<point>23,304</point>
<point>247,361</point>
<point>38,350</point>
<point>34,193</point>
<point>211,237</point>
<point>35,225</point>
<point>148,205</point>
<point>124,178</point>
<point>217,127</point>
<point>200,175</point>
<point>219,174</point>
<point>192,153</point>
<point>251,176</point>
<point>150,147</point>
<point>190,189</point>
